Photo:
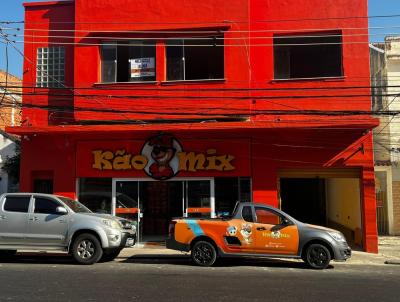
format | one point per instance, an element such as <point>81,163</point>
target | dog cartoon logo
<point>161,151</point>
<point>246,233</point>
<point>276,235</point>
<point>231,231</point>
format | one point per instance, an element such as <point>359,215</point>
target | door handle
<point>33,219</point>
<point>2,217</point>
<point>261,229</point>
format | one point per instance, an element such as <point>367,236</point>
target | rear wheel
<point>204,253</point>
<point>87,249</point>
<point>317,256</point>
<point>110,255</point>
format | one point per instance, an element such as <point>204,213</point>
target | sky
<point>12,10</point>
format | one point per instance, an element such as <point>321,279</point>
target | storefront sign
<point>162,157</point>
<point>143,67</point>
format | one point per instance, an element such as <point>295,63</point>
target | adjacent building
<point>156,109</point>
<point>10,115</point>
<point>385,72</point>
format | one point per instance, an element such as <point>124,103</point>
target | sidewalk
<point>389,253</point>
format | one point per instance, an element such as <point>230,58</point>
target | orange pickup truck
<point>257,230</point>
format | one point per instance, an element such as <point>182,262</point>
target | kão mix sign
<point>162,157</point>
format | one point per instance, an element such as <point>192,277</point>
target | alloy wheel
<point>86,249</point>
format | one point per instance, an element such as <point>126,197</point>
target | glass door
<point>199,198</point>
<point>152,204</point>
<point>126,202</point>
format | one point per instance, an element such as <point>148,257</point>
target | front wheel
<point>204,253</point>
<point>317,256</point>
<point>87,249</point>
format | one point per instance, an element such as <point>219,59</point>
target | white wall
<point>7,148</point>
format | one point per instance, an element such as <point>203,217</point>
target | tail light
<point>171,229</point>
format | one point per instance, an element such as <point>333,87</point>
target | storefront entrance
<point>329,197</point>
<point>152,204</point>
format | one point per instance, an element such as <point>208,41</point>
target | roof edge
<point>42,3</point>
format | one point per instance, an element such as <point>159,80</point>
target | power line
<point>225,21</point>
<point>166,88</point>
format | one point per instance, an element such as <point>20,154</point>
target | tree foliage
<point>11,164</point>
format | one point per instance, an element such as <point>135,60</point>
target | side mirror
<point>61,211</point>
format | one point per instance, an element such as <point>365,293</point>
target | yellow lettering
<point>225,163</point>
<point>191,161</point>
<point>102,160</point>
<point>139,162</point>
<point>211,160</point>
<point>122,161</point>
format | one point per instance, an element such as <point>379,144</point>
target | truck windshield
<point>76,206</point>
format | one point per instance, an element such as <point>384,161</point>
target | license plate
<point>130,242</point>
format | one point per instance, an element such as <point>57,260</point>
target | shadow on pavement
<point>222,262</point>
<point>39,258</point>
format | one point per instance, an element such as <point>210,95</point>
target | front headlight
<point>337,236</point>
<point>112,224</point>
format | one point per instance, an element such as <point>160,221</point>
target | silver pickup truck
<point>32,221</point>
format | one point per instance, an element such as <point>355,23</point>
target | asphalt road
<point>173,278</point>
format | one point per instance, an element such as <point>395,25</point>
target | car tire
<point>203,253</point>
<point>110,255</point>
<point>87,249</point>
<point>317,256</point>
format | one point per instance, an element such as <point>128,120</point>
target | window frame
<point>47,77</point>
<point>45,198</point>
<point>18,196</point>
<point>252,213</point>
<point>115,44</point>
<point>282,217</point>
<point>182,41</point>
<point>308,35</point>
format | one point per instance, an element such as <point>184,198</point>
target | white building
<point>385,82</point>
<point>8,146</point>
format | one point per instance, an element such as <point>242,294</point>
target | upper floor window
<point>195,59</point>
<point>50,69</point>
<point>131,61</point>
<point>316,55</point>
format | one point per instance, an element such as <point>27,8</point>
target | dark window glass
<point>109,60</point>
<point>195,59</point>
<point>17,204</point>
<point>46,206</point>
<point>230,190</point>
<point>175,61</point>
<point>131,61</point>
<point>308,57</point>
<point>43,186</point>
<point>95,193</point>
<point>247,214</point>
<point>267,217</point>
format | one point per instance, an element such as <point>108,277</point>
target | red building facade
<point>155,109</point>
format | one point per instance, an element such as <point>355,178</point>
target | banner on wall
<point>163,157</point>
